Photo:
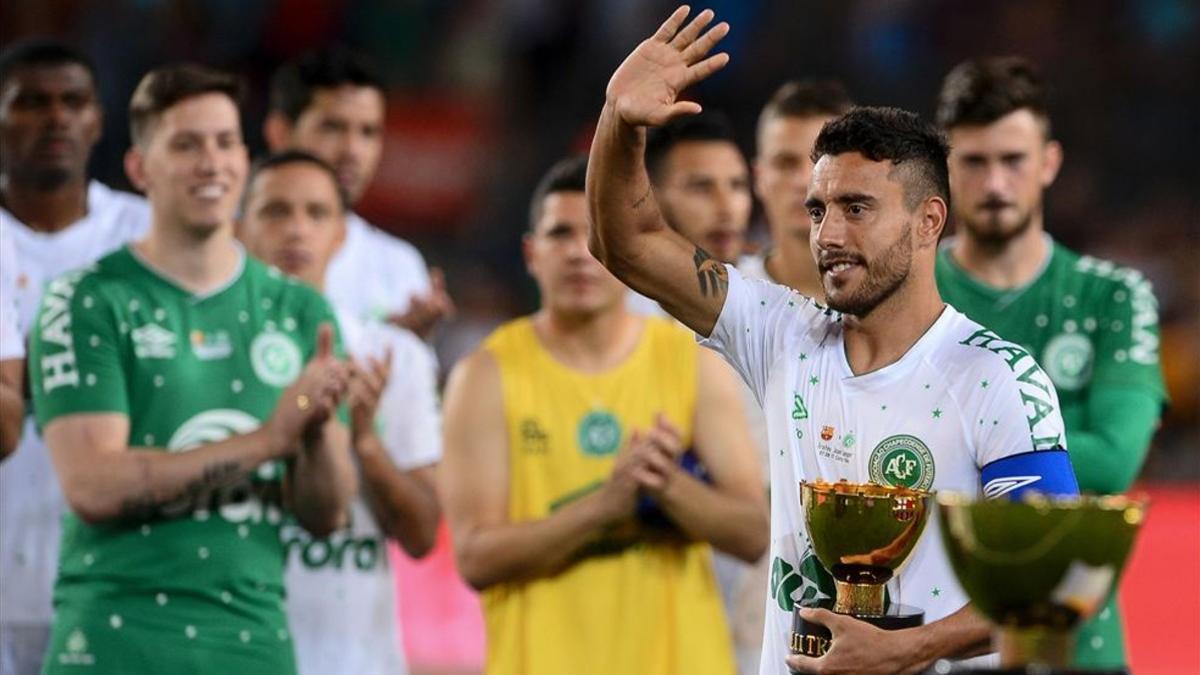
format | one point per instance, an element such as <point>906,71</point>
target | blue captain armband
<point>1046,471</point>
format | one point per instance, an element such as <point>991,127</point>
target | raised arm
<point>490,548</point>
<point>629,234</point>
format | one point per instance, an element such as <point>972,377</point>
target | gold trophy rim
<point>1137,503</point>
<point>868,489</point>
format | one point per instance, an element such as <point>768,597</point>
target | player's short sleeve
<point>77,361</point>
<point>11,344</point>
<point>1127,335</point>
<point>409,418</point>
<point>1019,412</point>
<point>759,323</point>
<point>408,261</point>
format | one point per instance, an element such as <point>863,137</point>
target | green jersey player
<point>171,383</point>
<point>1092,325</point>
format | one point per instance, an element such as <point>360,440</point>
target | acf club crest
<point>276,360</point>
<point>1068,359</point>
<point>902,461</point>
<point>599,433</point>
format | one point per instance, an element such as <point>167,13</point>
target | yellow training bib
<point>648,605</point>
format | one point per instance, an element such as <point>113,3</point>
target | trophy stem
<point>1021,646</point>
<point>858,599</point>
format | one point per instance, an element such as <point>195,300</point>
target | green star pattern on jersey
<point>199,586</point>
<point>1089,323</point>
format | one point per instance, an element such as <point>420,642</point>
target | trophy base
<point>813,639</point>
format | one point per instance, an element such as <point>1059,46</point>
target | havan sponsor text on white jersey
<point>960,398</point>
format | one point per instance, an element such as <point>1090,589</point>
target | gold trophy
<point>861,533</point>
<point>1038,568</point>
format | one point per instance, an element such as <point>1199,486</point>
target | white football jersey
<point>31,502</point>
<point>374,274</point>
<point>341,597</point>
<point>960,398</point>
<point>12,345</point>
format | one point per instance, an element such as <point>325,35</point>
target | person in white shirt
<point>331,103</point>
<point>12,350</point>
<point>787,127</point>
<point>888,384</point>
<point>340,595</point>
<point>57,220</point>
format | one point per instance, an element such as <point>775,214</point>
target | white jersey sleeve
<point>762,322</point>
<point>410,422</point>
<point>1017,403</point>
<point>11,345</point>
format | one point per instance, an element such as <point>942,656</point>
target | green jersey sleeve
<point>75,361</point>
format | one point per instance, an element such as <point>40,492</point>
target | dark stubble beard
<point>40,179</point>
<point>990,232</point>
<point>885,275</point>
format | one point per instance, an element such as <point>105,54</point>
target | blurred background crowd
<point>485,95</point>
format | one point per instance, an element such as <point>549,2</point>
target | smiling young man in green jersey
<point>1091,324</point>
<point>187,396</point>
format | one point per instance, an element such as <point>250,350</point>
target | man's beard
<point>885,275</point>
<point>41,179</point>
<point>994,233</point>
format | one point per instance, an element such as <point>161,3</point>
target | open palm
<point>644,90</point>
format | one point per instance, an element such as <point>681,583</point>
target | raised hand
<point>367,382</point>
<point>314,396</point>
<point>426,310</point>
<point>644,91</point>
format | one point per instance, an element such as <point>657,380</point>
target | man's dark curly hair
<point>710,125</point>
<point>889,134</point>
<point>981,91</point>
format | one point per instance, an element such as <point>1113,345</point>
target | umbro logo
<point>152,341</point>
<point>998,487</point>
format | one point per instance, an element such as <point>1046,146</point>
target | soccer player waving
<point>887,384</point>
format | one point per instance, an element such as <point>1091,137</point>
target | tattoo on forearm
<point>146,504</point>
<point>712,275</point>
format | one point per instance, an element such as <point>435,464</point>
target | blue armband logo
<point>1046,471</point>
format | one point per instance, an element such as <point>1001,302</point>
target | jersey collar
<point>901,367</point>
<point>192,297</point>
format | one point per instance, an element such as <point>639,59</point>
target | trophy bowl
<point>1040,567</point>
<point>861,533</point>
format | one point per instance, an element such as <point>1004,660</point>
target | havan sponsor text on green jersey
<point>198,587</point>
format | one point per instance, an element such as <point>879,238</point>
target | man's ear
<point>277,131</point>
<point>756,177</point>
<point>931,221</point>
<point>135,167</point>
<point>527,252</point>
<point>1052,159</point>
